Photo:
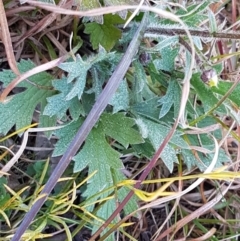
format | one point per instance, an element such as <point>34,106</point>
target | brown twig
<point>6,38</point>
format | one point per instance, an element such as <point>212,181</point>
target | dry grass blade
<point>196,213</point>
<point>191,187</point>
<point>6,38</point>
<point>204,237</point>
<point>31,72</point>
<point>42,25</point>
<point>15,158</point>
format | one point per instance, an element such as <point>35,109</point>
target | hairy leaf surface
<point>18,110</point>
<point>156,134</point>
<point>58,104</point>
<point>77,71</point>
<point>105,34</point>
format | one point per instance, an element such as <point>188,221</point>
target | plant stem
<point>198,33</point>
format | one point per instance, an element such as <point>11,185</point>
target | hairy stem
<point>198,33</point>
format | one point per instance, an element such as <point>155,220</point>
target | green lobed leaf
<point>156,134</point>
<point>120,128</point>
<point>166,62</point>
<point>102,70</point>
<point>140,80</point>
<point>77,71</point>
<point>145,149</point>
<point>98,155</point>
<point>45,120</point>
<point>105,34</point>
<point>148,108</point>
<point>18,110</point>
<point>171,98</point>
<point>177,99</point>
<point>120,99</point>
<point>99,152</point>
<point>66,135</point>
<point>97,81</point>
<point>58,105</point>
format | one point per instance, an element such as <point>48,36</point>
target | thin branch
<point>198,33</point>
